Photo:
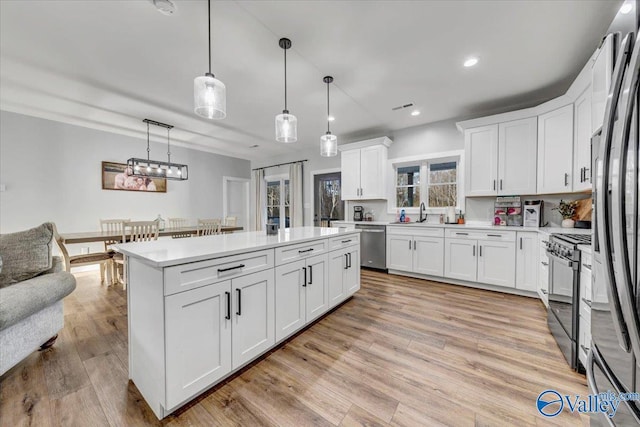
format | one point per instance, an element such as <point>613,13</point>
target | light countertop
<point>164,253</point>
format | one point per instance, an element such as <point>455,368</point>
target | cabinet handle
<point>566,179</point>
<point>500,184</point>
<point>304,282</point>
<point>585,349</point>
<point>474,250</point>
<point>494,184</point>
<point>480,250</point>
<point>462,234</point>
<point>587,266</point>
<point>346,261</point>
<point>586,301</point>
<point>239,291</point>
<point>346,241</point>
<point>582,174</point>
<point>305,251</point>
<point>310,275</point>
<point>409,244</point>
<point>544,291</point>
<point>546,264</point>
<point>228,295</point>
<point>586,169</point>
<point>545,242</point>
<point>494,235</point>
<point>222,270</point>
<point>414,245</point>
<point>349,256</point>
<point>521,243</point>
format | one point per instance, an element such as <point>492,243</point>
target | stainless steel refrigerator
<point>614,357</point>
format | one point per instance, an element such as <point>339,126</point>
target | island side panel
<point>145,293</point>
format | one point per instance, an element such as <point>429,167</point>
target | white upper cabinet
<point>517,151</point>
<point>364,166</point>
<point>555,151</point>
<point>501,158</point>
<point>601,72</point>
<point>582,142</point>
<point>481,159</point>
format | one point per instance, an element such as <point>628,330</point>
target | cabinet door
<point>601,72</point>
<point>372,172</point>
<point>352,273</point>
<point>555,151</point>
<point>317,292</point>
<point>290,299</point>
<point>460,261</point>
<point>337,266</point>
<point>497,263</point>
<point>428,256</point>
<point>253,316</point>
<point>198,342</point>
<point>527,264</point>
<point>399,252</point>
<point>582,143</point>
<point>481,159</point>
<point>350,184</point>
<point>517,151</point>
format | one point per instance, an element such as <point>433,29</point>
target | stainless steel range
<point>564,292</point>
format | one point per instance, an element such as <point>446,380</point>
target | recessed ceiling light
<point>165,7</point>
<point>331,118</point>
<point>415,113</point>
<point>470,62</point>
<point>626,7</point>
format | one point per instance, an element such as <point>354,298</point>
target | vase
<point>568,223</point>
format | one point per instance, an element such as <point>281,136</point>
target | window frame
<point>281,179</point>
<point>424,163</point>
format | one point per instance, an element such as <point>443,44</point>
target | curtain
<point>258,198</point>
<point>296,203</point>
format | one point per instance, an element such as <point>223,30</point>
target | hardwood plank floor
<point>401,352</point>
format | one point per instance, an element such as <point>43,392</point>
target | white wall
<point>51,171</point>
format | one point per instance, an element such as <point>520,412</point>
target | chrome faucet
<point>422,208</point>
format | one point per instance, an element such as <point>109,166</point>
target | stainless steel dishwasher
<point>373,246</point>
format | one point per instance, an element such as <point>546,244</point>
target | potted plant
<point>567,210</point>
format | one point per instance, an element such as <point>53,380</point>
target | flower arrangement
<point>567,209</point>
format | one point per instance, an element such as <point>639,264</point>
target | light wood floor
<point>401,352</point>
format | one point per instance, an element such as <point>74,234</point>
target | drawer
<point>344,241</point>
<point>190,276</point>
<point>417,231</point>
<point>503,236</point>
<point>292,253</point>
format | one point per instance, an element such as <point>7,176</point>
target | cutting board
<point>583,210</point>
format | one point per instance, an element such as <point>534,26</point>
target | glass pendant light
<point>286,124</point>
<point>209,93</point>
<point>328,141</point>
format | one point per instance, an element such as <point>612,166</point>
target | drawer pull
<point>239,291</point>
<point>494,235</point>
<point>305,251</point>
<point>346,241</point>
<point>462,234</point>
<point>587,266</point>
<point>546,264</point>
<point>546,242</point>
<point>585,349</point>
<point>222,270</point>
<point>228,295</point>
<point>544,291</point>
<point>586,301</point>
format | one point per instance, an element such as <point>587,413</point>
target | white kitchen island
<point>201,308</point>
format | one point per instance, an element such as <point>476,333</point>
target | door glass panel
<point>328,201</point>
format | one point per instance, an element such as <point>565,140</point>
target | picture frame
<point>114,177</point>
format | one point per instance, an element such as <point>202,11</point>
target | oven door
<point>562,317</point>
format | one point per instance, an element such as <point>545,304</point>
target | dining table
<point>103,236</point>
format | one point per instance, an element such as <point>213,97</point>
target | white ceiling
<point>109,64</point>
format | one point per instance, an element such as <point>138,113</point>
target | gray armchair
<point>30,307</point>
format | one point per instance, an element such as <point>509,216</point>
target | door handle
<point>409,244</point>
<point>566,179</point>
<point>480,250</point>
<point>521,243</point>
<point>414,245</point>
<point>500,184</point>
<point>304,282</point>
<point>239,291</point>
<point>228,295</point>
<point>346,262</point>
<point>310,275</point>
<point>349,256</point>
<point>474,250</point>
<point>494,184</point>
<point>586,169</point>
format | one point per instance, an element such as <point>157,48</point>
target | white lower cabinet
<point>527,264</point>
<point>399,252</point>
<point>497,263</point>
<point>416,250</point>
<point>198,340</point>
<point>543,270</point>
<point>344,276</point>
<point>428,255</point>
<point>460,261</point>
<point>302,294</point>
<point>584,333</point>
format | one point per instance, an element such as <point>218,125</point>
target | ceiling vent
<point>400,107</point>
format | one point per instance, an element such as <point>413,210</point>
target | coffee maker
<point>533,213</point>
<point>358,213</point>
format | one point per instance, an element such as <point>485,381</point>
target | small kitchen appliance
<point>508,211</point>
<point>358,213</point>
<point>533,213</point>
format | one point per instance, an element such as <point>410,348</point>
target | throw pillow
<point>25,254</point>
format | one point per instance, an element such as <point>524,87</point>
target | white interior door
<point>236,200</point>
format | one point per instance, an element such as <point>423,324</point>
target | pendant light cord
<point>328,113</point>
<point>209,20</point>
<point>148,150</point>
<point>285,80</point>
<point>168,146</point>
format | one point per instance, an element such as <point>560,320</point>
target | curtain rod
<point>280,164</point>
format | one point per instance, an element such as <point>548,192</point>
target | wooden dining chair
<point>231,221</point>
<point>208,227</point>
<point>179,223</point>
<point>103,259</point>
<point>115,227</point>
<point>135,231</point>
